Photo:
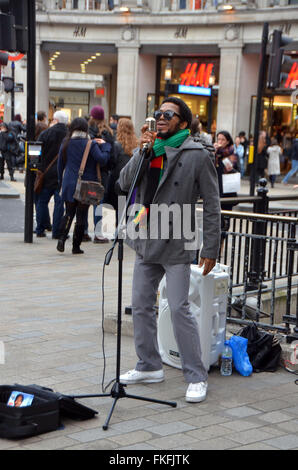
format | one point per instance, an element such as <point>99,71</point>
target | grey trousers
<point>146,279</point>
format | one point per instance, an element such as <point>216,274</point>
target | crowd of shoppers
<point>63,145</point>
<point>113,146</point>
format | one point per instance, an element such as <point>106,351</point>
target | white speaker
<point>208,303</point>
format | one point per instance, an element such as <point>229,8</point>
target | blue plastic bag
<point>240,357</point>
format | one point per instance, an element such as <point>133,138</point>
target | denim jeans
<point>97,217</point>
<point>42,211</point>
<point>292,172</point>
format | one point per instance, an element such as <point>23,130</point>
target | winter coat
<point>51,140</point>
<point>108,138</point>
<point>8,143</point>
<point>220,156</point>
<point>75,151</point>
<point>274,152</point>
<point>294,150</point>
<point>121,159</point>
<point>189,174</point>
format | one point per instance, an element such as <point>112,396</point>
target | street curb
<point>6,191</point>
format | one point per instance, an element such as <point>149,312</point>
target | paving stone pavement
<point>51,327</point>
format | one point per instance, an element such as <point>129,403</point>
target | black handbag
<point>88,192</point>
<point>43,415</point>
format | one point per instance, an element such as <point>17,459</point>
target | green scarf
<point>173,141</point>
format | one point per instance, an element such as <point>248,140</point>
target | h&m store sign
<point>197,75</point>
<point>292,76</point>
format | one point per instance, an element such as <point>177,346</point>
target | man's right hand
<point>147,137</point>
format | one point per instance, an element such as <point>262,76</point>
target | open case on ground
<point>43,415</point>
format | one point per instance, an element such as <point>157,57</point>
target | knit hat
<point>97,112</point>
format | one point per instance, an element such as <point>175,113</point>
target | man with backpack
<point>9,149</point>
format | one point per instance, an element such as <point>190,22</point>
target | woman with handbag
<point>71,154</point>
<point>226,163</point>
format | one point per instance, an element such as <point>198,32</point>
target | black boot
<point>63,231</point>
<point>77,239</point>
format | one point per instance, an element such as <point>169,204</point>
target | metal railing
<point>262,253</point>
<point>261,250</point>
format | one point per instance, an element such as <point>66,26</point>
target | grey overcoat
<point>189,174</point>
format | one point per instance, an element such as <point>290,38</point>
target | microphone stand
<point>118,390</point>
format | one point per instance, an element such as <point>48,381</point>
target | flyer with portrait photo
<point>20,399</point>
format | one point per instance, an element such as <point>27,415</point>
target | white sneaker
<point>196,392</point>
<point>138,376</point>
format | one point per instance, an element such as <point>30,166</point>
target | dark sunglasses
<point>168,115</point>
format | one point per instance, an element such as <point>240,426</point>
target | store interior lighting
<point>52,60</point>
<point>89,61</point>
<point>225,7</point>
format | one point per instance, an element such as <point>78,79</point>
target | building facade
<point>127,55</point>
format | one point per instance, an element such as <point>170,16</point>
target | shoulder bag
<point>39,179</point>
<point>88,192</point>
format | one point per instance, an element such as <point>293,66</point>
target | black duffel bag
<point>263,349</point>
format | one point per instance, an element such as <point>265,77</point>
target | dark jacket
<point>107,137</point>
<point>121,159</point>
<point>294,150</point>
<point>68,171</point>
<point>51,140</point>
<point>17,127</point>
<point>8,143</point>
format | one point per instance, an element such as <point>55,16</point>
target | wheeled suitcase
<point>43,415</point>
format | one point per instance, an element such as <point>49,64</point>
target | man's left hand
<point>208,263</point>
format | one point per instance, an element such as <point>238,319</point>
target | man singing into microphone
<point>177,170</point>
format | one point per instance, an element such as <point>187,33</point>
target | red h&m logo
<point>92,193</point>
<point>99,92</point>
<point>292,75</point>
<point>193,77</point>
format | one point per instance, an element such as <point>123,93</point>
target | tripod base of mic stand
<point>119,392</point>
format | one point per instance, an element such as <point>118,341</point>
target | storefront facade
<point>214,58</point>
<point>280,106</point>
<point>193,79</point>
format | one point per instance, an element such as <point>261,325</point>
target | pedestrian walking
<point>69,162</point>
<point>51,140</point>
<point>8,147</point>
<point>41,123</point>
<point>239,151</point>
<point>274,152</point>
<point>262,157</point>
<point>114,119</point>
<point>99,129</point>
<point>125,144</point>
<point>294,160</point>
<point>225,163</point>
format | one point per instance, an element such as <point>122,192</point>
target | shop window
<point>61,4</point>
<point>92,4</point>
<point>191,4</point>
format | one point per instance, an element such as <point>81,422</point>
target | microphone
<point>151,123</point>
